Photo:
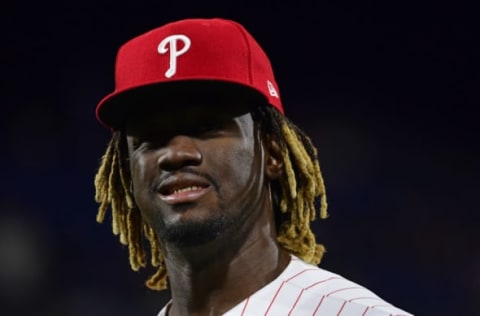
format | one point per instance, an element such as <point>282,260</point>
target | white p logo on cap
<point>169,44</point>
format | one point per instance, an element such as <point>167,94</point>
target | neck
<point>212,278</point>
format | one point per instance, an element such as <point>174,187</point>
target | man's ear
<point>273,158</point>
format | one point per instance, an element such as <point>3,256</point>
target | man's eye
<point>140,144</point>
<point>211,127</point>
<point>135,143</point>
<point>208,128</point>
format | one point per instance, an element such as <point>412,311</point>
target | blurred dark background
<point>387,90</point>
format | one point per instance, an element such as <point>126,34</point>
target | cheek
<point>237,167</point>
<point>244,165</point>
<point>138,168</point>
<point>141,173</point>
<point>141,190</point>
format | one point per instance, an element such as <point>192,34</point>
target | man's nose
<point>180,151</point>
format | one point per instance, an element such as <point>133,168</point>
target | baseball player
<point>209,183</point>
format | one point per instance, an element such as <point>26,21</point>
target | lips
<point>183,189</point>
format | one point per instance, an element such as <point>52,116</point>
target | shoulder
<point>332,294</point>
<point>305,289</point>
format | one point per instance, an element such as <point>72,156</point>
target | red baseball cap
<point>213,55</point>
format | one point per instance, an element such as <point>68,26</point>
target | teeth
<point>191,188</point>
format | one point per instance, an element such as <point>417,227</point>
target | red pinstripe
<point>365,311</point>
<point>341,308</point>
<point>365,298</point>
<point>317,283</point>
<point>344,289</point>
<point>274,297</point>
<point>318,306</point>
<point>293,277</point>
<point>245,306</point>
<point>296,301</point>
<point>301,293</point>
<point>372,307</point>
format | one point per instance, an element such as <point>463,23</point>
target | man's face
<point>197,173</point>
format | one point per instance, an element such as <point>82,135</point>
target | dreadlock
<point>299,190</point>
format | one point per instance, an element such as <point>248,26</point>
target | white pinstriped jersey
<point>303,289</point>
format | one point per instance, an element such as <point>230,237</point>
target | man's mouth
<point>190,188</point>
<point>177,190</point>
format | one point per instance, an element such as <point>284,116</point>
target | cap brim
<point>114,109</point>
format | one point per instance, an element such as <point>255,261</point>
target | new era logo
<point>271,89</point>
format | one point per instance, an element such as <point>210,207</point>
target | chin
<point>189,233</point>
